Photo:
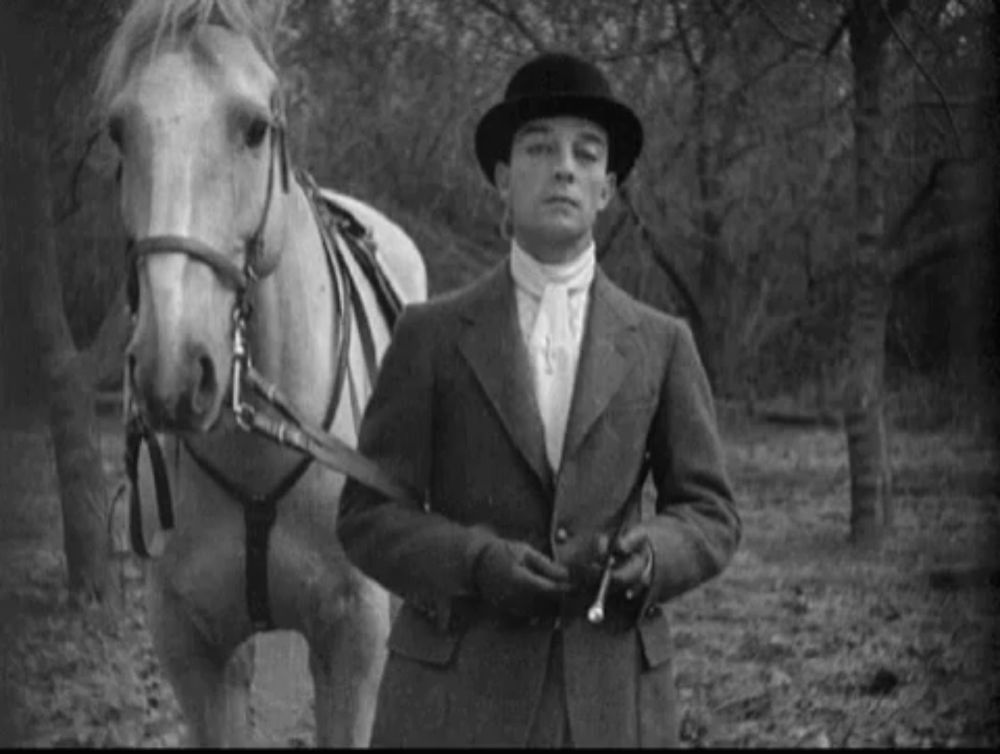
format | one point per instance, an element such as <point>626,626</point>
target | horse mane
<point>149,24</point>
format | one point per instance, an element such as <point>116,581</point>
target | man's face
<point>555,184</point>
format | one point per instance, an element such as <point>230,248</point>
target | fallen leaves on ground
<point>801,642</point>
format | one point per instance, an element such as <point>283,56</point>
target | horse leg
<point>211,683</point>
<point>346,663</point>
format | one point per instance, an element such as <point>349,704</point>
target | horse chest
<point>296,562</point>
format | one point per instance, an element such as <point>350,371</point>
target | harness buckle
<point>242,411</point>
<point>245,416</point>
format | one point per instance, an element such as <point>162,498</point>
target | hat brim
<point>496,129</point>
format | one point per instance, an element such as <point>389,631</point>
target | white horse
<point>219,226</point>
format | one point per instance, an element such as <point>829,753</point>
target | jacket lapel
<point>493,346</point>
<point>606,357</point>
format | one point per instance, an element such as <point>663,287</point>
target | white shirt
<point>531,278</point>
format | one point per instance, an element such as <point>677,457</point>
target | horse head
<point>192,103</point>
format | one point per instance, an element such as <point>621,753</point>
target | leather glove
<point>586,559</point>
<point>517,579</point>
<point>632,565</point>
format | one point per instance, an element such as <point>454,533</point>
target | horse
<point>229,252</point>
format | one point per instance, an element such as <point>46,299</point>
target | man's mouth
<point>562,201</point>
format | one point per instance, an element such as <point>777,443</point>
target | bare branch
<point>949,243</point>
<point>73,205</point>
<point>736,7</point>
<point>765,69</point>
<point>917,202</point>
<point>922,27</point>
<point>971,100</point>
<point>633,25</point>
<point>512,17</point>
<point>648,48</point>
<point>895,8</point>
<point>682,34</point>
<point>683,289</point>
<point>782,32</point>
<point>836,35</point>
<point>925,73</point>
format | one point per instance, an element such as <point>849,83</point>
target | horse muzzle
<point>175,395</point>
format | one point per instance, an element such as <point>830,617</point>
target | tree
<point>29,80</point>
<point>864,414</point>
<point>885,247</point>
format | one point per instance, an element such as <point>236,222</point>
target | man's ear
<point>608,189</point>
<point>501,179</point>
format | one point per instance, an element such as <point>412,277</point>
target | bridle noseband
<point>232,274</point>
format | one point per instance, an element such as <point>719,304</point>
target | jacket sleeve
<point>399,542</point>
<point>696,528</point>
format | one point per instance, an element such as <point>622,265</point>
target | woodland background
<point>816,197</point>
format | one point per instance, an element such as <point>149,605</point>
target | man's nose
<point>565,168</point>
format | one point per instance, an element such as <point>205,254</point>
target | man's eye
<point>538,147</point>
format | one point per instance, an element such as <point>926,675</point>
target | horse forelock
<point>152,25</point>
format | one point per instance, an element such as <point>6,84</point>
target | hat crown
<point>554,74</point>
<point>557,84</point>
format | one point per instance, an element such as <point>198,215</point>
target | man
<point>525,410</point>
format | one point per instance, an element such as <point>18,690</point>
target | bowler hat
<point>552,84</point>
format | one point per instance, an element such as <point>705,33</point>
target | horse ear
<point>281,133</point>
<point>268,14</point>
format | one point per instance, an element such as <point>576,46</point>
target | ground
<point>802,641</point>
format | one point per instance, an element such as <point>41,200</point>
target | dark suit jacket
<point>453,415</point>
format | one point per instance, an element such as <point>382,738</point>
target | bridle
<point>290,428</point>
<point>236,276</point>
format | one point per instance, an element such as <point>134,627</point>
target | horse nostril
<point>206,387</point>
<point>130,370</point>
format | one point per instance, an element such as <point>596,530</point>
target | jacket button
<point>652,611</point>
<point>561,535</point>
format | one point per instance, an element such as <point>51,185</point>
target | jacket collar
<point>493,346</point>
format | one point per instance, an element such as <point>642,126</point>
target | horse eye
<point>256,132</point>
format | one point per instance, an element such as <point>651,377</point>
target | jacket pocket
<point>654,633</point>
<point>415,637</point>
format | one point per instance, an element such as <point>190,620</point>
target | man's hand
<point>518,579</point>
<point>586,560</point>
<point>632,562</point>
<point>633,554</point>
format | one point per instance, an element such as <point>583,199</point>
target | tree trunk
<point>30,235</point>
<point>101,363</point>
<point>864,414</point>
<point>18,361</point>
<point>864,420</point>
<point>711,336</point>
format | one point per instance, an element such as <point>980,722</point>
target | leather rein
<point>275,416</point>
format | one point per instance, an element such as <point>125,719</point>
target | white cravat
<point>551,302</point>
